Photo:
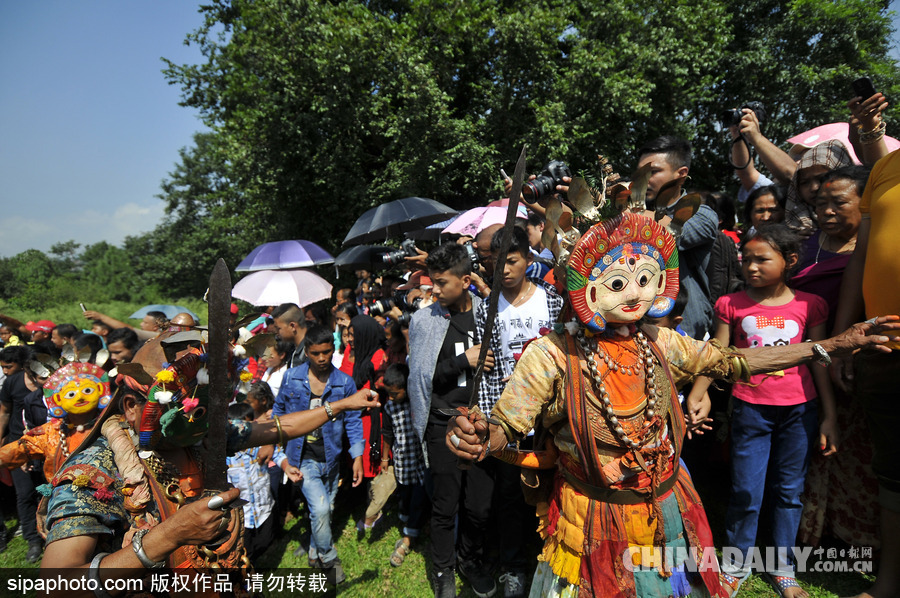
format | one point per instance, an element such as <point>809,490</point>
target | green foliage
<point>799,58</point>
<point>70,312</point>
<point>101,276</point>
<point>319,110</point>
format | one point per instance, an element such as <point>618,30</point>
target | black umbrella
<point>362,256</point>
<point>396,217</point>
<point>432,232</point>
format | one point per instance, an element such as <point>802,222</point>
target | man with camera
<point>744,127</point>
<point>406,299</point>
<point>443,352</point>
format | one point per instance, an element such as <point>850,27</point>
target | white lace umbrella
<point>274,287</point>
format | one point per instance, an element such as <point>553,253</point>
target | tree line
<point>318,110</point>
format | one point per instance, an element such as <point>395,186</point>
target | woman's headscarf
<point>799,215</point>
<point>368,337</point>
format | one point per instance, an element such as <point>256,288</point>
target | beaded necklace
<point>645,362</point>
<point>64,434</point>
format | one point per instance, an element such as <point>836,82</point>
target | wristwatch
<point>138,546</point>
<point>328,411</point>
<point>821,355</point>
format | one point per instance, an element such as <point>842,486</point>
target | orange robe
<point>42,442</point>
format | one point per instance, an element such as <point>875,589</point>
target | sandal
<point>731,583</point>
<point>362,528</point>
<point>781,584</point>
<point>401,550</point>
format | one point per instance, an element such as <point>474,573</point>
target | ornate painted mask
<point>77,388</point>
<point>621,270</point>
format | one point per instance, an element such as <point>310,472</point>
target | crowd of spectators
<point>819,212</point>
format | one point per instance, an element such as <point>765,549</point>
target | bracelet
<point>510,437</point>
<point>873,136</point>
<point>740,369</point>
<point>280,431</point>
<point>137,544</point>
<point>94,574</point>
<point>329,411</point>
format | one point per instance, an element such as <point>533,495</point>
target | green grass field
<point>72,314</point>
<point>369,572</point>
<point>365,559</point>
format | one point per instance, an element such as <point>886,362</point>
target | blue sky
<point>88,125</point>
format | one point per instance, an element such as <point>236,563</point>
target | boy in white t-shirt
<point>528,308</point>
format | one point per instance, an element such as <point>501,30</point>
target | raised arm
<point>779,163</point>
<point>114,323</point>
<point>741,160</point>
<point>870,334</point>
<point>867,116</point>
<point>299,423</point>
<point>108,320</point>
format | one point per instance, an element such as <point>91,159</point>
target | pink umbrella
<point>274,287</point>
<point>502,203</point>
<point>839,131</point>
<point>472,222</point>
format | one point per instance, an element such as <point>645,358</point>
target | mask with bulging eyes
<point>77,388</point>
<point>621,270</point>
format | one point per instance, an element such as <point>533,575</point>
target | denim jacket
<point>294,396</point>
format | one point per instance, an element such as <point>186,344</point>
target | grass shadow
<point>367,576</point>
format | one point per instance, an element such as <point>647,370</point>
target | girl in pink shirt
<point>775,418</point>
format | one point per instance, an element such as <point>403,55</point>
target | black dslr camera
<point>383,306</point>
<point>407,249</point>
<point>546,183</point>
<point>473,256</point>
<point>732,118</point>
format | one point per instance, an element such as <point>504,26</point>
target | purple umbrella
<point>281,255</point>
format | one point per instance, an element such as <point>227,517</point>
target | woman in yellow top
<point>871,284</point>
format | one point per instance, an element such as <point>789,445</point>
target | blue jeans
<point>320,487</point>
<point>775,441</point>
<point>412,507</point>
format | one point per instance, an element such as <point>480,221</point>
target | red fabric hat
<point>45,325</point>
<point>416,280</point>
